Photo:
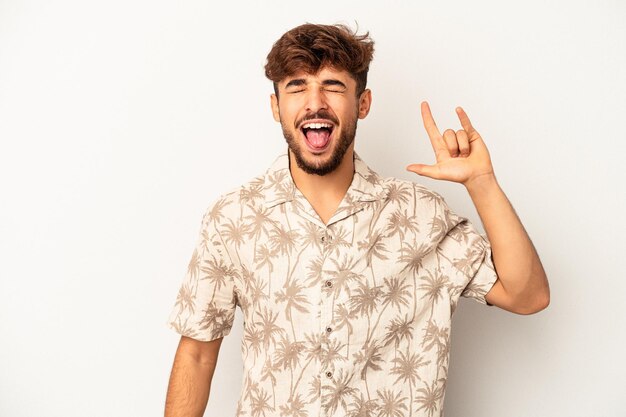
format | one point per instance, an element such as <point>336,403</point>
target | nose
<point>316,100</point>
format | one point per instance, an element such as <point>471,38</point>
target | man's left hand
<point>461,156</point>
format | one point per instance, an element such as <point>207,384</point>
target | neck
<point>326,188</point>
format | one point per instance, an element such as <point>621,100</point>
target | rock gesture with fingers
<point>461,156</point>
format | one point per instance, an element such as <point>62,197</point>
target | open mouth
<point>317,134</point>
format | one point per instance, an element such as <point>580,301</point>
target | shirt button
<point>329,284</point>
<point>323,239</point>
<point>329,374</point>
<point>329,329</point>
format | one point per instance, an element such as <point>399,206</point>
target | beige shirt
<point>349,318</point>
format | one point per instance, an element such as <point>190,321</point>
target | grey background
<point>120,121</point>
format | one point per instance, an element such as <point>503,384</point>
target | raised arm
<point>190,379</point>
<point>522,285</point>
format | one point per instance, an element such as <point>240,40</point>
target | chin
<point>320,161</point>
<point>319,164</point>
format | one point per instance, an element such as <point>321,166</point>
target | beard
<point>343,141</point>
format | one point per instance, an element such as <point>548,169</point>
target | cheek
<point>347,109</point>
<point>288,114</point>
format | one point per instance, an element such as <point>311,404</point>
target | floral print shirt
<point>348,318</point>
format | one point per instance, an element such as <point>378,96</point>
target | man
<point>347,281</point>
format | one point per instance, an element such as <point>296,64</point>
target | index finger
<point>429,122</point>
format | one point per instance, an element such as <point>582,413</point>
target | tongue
<point>318,138</point>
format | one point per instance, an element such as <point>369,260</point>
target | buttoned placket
<point>348,208</point>
<point>327,307</point>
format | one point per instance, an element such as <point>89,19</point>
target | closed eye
<point>334,86</point>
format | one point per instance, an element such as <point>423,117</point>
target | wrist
<point>481,182</point>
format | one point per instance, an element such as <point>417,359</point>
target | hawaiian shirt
<point>348,318</point>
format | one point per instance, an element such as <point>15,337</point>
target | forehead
<point>325,73</point>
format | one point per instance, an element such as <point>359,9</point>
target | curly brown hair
<point>310,47</point>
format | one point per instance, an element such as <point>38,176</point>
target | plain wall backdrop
<point>120,121</point>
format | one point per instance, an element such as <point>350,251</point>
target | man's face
<point>318,114</point>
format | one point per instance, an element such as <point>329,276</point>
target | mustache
<point>322,114</point>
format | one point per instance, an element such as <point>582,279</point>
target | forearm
<point>516,261</point>
<point>189,387</point>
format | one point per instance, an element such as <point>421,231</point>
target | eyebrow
<point>334,82</point>
<point>298,82</point>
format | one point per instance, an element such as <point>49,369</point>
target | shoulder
<point>400,190</point>
<point>230,204</point>
<point>416,199</point>
<point>252,195</point>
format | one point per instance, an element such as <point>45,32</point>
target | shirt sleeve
<point>466,258</point>
<point>206,301</point>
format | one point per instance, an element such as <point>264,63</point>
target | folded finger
<point>451,142</point>
<point>461,138</point>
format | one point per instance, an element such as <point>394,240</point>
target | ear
<point>365,101</point>
<point>275,110</point>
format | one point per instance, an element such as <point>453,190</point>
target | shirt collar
<point>279,187</point>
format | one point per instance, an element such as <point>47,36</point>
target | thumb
<point>431,171</point>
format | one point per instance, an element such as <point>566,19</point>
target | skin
<point>301,97</point>
<point>461,156</point>
<point>191,376</point>
<point>522,286</point>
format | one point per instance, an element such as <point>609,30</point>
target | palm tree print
<point>294,408</point>
<point>392,404</point>
<point>235,233</point>
<point>215,214</point>
<point>349,317</point>
<point>287,356</point>
<point>343,275</point>
<point>268,327</point>
<point>406,367</point>
<point>396,294</point>
<point>338,392</point>
<point>314,271</point>
<point>369,358</point>
<point>430,398</point>
<point>217,272</point>
<point>362,407</point>
<point>314,354</point>
<point>185,298</point>
<point>193,268</point>
<point>433,287</point>
<point>249,195</point>
<point>374,246</point>
<point>294,297</point>
<point>258,221</point>
<point>344,317</point>
<point>260,403</point>
<point>399,331</point>
<point>283,240</point>
<point>269,371</point>
<point>399,193</point>
<point>400,223</point>
<point>253,338</point>
<point>219,320</point>
<point>466,263</point>
<point>332,354</point>
<point>185,328</point>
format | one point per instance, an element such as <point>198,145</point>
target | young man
<point>347,281</point>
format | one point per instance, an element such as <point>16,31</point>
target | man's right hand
<point>190,380</point>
